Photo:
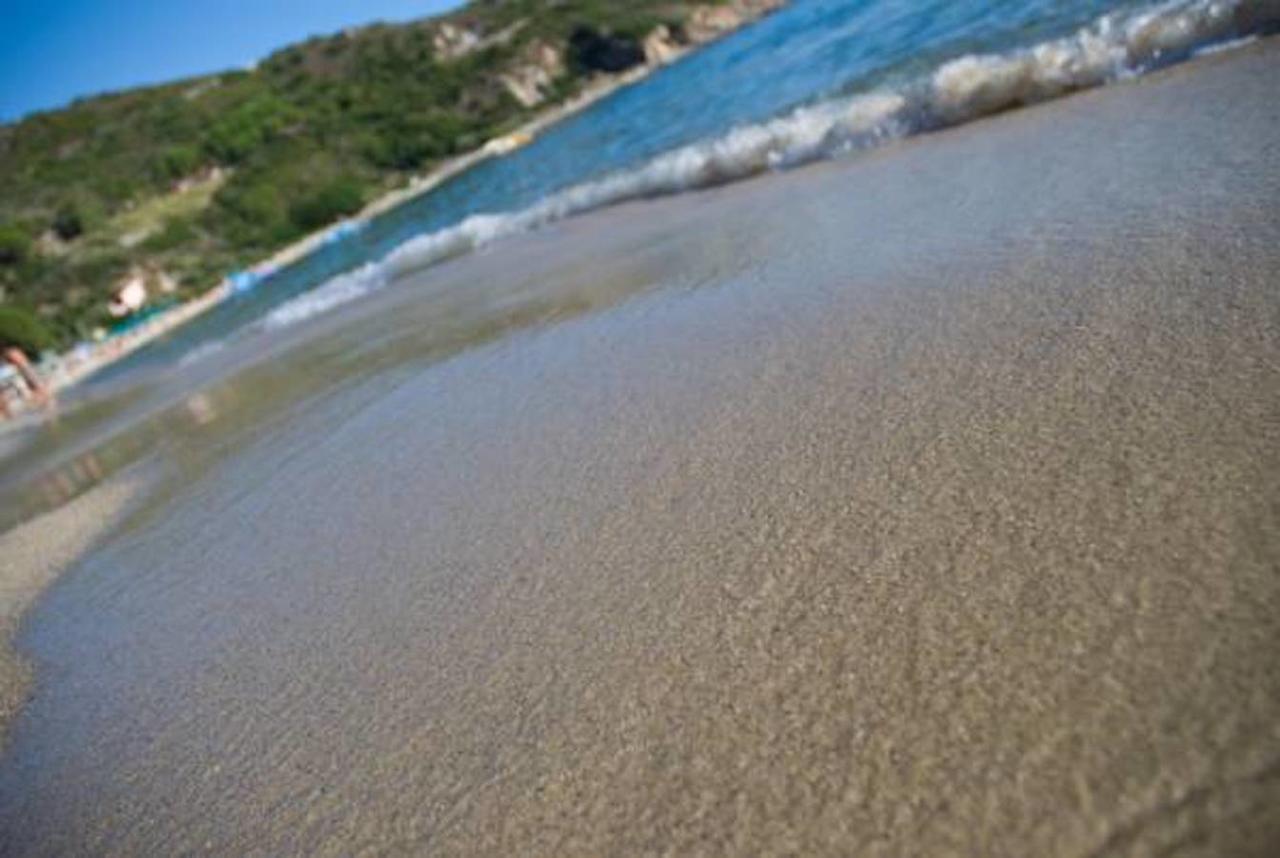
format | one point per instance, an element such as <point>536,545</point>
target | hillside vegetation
<point>191,180</point>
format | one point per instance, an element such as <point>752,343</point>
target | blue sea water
<point>818,79</point>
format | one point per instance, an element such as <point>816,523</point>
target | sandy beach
<point>921,503</point>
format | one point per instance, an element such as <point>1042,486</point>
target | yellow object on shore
<point>508,143</point>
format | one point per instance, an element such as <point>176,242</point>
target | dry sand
<point>926,504</point>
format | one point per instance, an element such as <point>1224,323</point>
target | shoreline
<point>70,368</point>
<point>958,91</point>
<point>36,553</point>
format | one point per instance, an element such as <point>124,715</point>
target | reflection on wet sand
<point>239,390</point>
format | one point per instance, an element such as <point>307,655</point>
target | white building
<point>129,297</point>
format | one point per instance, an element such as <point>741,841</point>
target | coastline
<point>68,369</point>
<point>964,88</point>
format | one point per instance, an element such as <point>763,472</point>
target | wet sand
<point>922,504</point>
<point>34,553</point>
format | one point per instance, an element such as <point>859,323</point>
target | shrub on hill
<point>15,244</point>
<point>340,197</point>
<point>22,329</point>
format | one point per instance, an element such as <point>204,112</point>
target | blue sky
<point>52,51</point>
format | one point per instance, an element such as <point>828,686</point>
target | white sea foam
<point>1223,47</point>
<point>340,290</point>
<point>1115,46</point>
<point>804,135</point>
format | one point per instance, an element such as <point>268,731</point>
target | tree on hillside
<point>15,244</point>
<point>22,330</point>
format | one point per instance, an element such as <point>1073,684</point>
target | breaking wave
<point>1116,46</point>
<point>335,292</point>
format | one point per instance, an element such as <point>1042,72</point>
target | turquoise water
<point>821,78</point>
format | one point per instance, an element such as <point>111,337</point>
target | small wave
<point>1113,47</point>
<point>1116,46</point>
<point>201,352</point>
<point>804,135</point>
<point>340,290</point>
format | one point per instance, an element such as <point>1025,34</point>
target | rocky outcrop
<point>711,22</point>
<point>661,45</point>
<point>531,80</point>
<point>708,22</point>
<point>451,42</point>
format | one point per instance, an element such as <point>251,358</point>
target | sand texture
<point>925,503</point>
<point>34,553</point>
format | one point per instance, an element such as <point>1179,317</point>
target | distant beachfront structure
<point>129,297</point>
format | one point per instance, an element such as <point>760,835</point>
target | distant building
<point>129,297</point>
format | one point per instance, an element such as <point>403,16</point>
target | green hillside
<point>193,179</point>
